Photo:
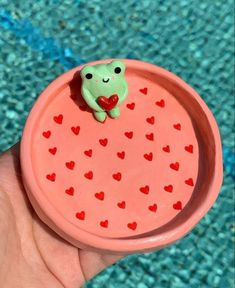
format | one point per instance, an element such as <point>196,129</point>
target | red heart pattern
<point>88,152</point>
<point>189,182</point>
<point>160,103</point>
<point>46,134</point>
<point>104,223</point>
<point>52,150</point>
<point>144,90</point>
<point>75,129</point>
<point>132,225</point>
<point>177,126</point>
<point>92,152</point>
<point>168,188</point>
<point>51,177</point>
<point>122,205</point>
<point>166,148</point>
<point>129,134</point>
<point>99,195</point>
<point>175,166</point>
<point>150,136</point>
<point>58,119</point>
<point>80,215</point>
<point>89,175</point>
<point>177,205</point>
<point>150,120</point>
<point>153,207</point>
<point>70,191</point>
<point>148,156</point>
<point>117,176</point>
<point>103,142</point>
<point>121,155</point>
<point>130,106</point>
<point>70,165</point>
<point>144,189</point>
<point>189,148</point>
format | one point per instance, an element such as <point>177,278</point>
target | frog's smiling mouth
<point>105,80</point>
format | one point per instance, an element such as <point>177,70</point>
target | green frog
<point>104,88</point>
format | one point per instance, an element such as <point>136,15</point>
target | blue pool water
<point>41,39</point>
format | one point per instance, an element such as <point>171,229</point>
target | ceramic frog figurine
<point>104,88</point>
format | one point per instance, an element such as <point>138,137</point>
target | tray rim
<point>82,238</point>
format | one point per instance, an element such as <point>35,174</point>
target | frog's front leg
<point>98,112</point>
<point>115,112</point>
<point>100,115</point>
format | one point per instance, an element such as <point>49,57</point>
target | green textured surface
<point>194,39</point>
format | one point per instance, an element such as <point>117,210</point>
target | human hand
<point>31,254</point>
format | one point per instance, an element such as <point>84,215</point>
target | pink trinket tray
<point>132,184</point>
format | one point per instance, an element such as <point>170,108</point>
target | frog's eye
<point>88,76</point>
<point>117,70</point>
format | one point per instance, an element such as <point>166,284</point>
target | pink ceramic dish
<point>133,184</point>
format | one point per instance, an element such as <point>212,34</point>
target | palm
<point>31,254</point>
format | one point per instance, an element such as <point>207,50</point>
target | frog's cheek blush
<point>113,77</point>
<point>135,183</point>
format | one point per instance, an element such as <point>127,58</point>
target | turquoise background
<point>41,39</point>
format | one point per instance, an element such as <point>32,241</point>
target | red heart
<point>177,126</point>
<point>58,119</point>
<point>46,134</point>
<point>70,191</point>
<point>153,207</point>
<point>175,166</point>
<point>104,223</point>
<point>117,176</point>
<point>122,205</point>
<point>144,90</point>
<point>148,156</point>
<point>75,130</point>
<point>132,225</point>
<point>144,189</point>
<point>100,195</point>
<point>121,155</point>
<point>131,106</point>
<point>103,142</point>
<point>168,188</point>
<point>177,205</point>
<point>88,153</point>
<point>52,150</point>
<point>150,120</point>
<point>51,177</point>
<point>83,107</point>
<point>189,182</point>
<point>70,165</point>
<point>166,148</point>
<point>189,148</point>
<point>160,103</point>
<point>149,136</point>
<point>108,103</point>
<point>80,215</point>
<point>89,175</point>
<point>129,134</point>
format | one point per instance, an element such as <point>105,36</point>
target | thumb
<point>9,238</point>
